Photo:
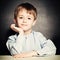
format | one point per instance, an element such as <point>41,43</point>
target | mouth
<point>23,24</point>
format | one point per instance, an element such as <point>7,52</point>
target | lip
<point>23,24</point>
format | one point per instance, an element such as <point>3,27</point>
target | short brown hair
<point>29,7</point>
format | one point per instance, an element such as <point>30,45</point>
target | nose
<point>25,20</point>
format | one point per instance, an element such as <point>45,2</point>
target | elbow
<point>53,51</point>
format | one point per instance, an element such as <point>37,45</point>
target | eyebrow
<point>22,15</point>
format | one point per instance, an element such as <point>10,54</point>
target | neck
<point>27,32</point>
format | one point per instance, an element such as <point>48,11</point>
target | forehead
<point>23,10</point>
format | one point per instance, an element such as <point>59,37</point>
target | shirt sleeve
<point>47,47</point>
<point>14,44</point>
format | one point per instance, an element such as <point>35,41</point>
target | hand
<point>24,55</point>
<point>19,56</point>
<point>16,29</point>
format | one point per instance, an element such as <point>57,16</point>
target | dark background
<point>6,18</point>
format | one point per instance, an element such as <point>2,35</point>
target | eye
<point>29,18</point>
<point>20,17</point>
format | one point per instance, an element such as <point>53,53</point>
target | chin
<point>26,29</point>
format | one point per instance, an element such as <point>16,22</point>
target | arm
<point>46,46</point>
<point>14,41</point>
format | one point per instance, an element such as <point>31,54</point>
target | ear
<point>34,22</point>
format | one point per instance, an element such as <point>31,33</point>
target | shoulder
<point>38,34</point>
<point>13,37</point>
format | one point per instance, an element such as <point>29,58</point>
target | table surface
<point>8,57</point>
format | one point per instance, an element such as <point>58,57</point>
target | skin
<point>25,22</point>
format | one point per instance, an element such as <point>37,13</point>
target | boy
<point>28,43</point>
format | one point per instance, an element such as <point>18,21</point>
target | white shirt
<point>17,44</point>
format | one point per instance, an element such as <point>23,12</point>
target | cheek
<point>18,23</point>
<point>30,23</point>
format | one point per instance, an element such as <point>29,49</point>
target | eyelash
<point>22,18</point>
<point>29,18</point>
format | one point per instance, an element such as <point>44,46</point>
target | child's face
<point>25,20</point>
